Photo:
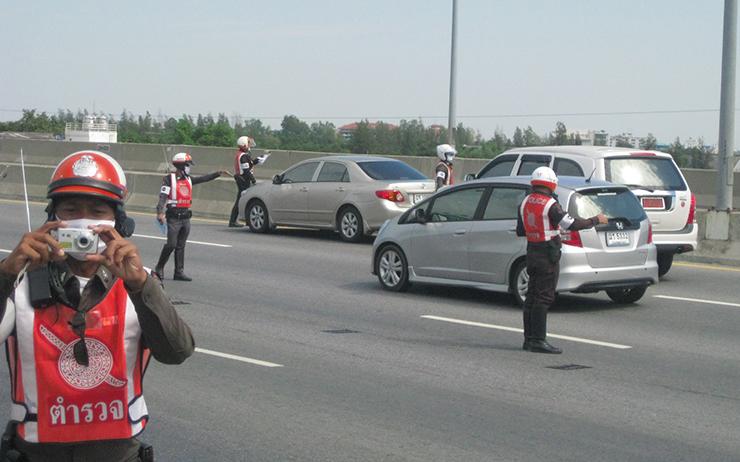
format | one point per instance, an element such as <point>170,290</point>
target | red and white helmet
<point>89,173</point>
<point>544,176</point>
<point>182,158</point>
<point>245,142</point>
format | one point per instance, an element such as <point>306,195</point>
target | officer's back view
<point>443,172</point>
<point>540,219</point>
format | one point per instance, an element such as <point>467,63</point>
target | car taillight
<point>642,154</point>
<point>692,211</point>
<point>571,238</point>
<point>650,233</point>
<point>392,195</point>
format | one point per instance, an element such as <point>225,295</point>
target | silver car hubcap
<point>522,283</point>
<point>350,224</point>
<point>390,268</point>
<point>257,216</point>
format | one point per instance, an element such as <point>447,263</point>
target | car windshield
<point>647,172</point>
<point>614,203</point>
<point>390,170</point>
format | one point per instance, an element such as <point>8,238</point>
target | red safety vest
<point>534,211</point>
<point>56,400</point>
<point>450,174</point>
<point>181,192</point>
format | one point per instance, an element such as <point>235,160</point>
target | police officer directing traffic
<point>81,324</point>
<point>243,173</point>
<point>540,219</point>
<point>175,200</point>
<point>443,173</point>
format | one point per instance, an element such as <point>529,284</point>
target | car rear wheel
<point>665,260</point>
<point>519,282</point>
<point>350,224</point>
<point>630,295</point>
<point>257,217</point>
<point>391,268</point>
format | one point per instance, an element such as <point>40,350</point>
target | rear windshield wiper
<point>639,186</point>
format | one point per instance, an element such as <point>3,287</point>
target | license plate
<point>617,238</point>
<point>653,203</point>
<point>417,198</point>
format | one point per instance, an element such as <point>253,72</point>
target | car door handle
<point>460,232</point>
<point>340,189</point>
<point>511,230</point>
<point>303,189</point>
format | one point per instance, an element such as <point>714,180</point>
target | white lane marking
<point>697,300</point>
<point>514,329</point>
<point>5,250</point>
<point>237,358</point>
<point>189,241</point>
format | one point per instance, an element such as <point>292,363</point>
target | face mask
<point>84,223</point>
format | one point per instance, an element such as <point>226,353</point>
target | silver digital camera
<point>74,240</point>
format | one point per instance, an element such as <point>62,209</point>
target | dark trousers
<point>178,230</point>
<point>94,451</point>
<point>543,279</point>
<point>242,183</point>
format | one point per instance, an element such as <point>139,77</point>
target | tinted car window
<point>333,172</point>
<point>504,203</point>
<point>530,163</point>
<point>500,166</point>
<point>567,167</point>
<point>456,206</point>
<point>389,170</point>
<point>648,172</point>
<point>301,173</point>
<point>614,203</point>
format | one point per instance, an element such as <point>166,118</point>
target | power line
<point>470,116</point>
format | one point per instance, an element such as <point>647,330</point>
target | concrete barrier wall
<point>145,163</point>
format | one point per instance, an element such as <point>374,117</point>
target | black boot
<point>540,346</point>
<point>235,225</point>
<point>163,257</point>
<point>180,266</point>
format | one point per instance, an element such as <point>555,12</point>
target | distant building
<point>622,139</point>
<point>590,137</point>
<point>346,131</point>
<point>93,128</point>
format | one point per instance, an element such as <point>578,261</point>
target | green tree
<point>518,138</point>
<point>294,133</point>
<point>649,142</point>
<point>560,136</point>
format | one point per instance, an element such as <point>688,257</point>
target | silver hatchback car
<point>466,236</point>
<point>353,195</point>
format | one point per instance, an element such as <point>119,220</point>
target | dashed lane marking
<point>698,300</point>
<point>515,329</point>
<point>243,359</point>
<point>146,236</point>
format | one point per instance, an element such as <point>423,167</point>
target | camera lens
<point>83,242</point>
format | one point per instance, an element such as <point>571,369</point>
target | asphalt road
<point>364,377</point>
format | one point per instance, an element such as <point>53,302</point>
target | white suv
<point>653,177</point>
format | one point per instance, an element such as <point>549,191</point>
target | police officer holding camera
<point>175,200</point>
<point>540,218</point>
<point>81,317</point>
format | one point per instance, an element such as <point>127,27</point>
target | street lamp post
<point>453,52</point>
<point>726,143</point>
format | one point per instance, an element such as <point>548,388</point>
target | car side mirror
<point>277,179</point>
<point>420,215</point>
<point>470,177</point>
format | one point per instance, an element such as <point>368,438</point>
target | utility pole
<point>453,59</point>
<point>726,143</point>
<point>718,221</point>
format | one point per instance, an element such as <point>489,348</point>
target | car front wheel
<point>257,217</point>
<point>391,268</point>
<point>630,295</point>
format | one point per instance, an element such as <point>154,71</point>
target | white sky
<point>345,60</point>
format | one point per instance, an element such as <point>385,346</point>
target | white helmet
<point>182,158</point>
<point>245,141</point>
<point>544,176</point>
<point>446,152</point>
